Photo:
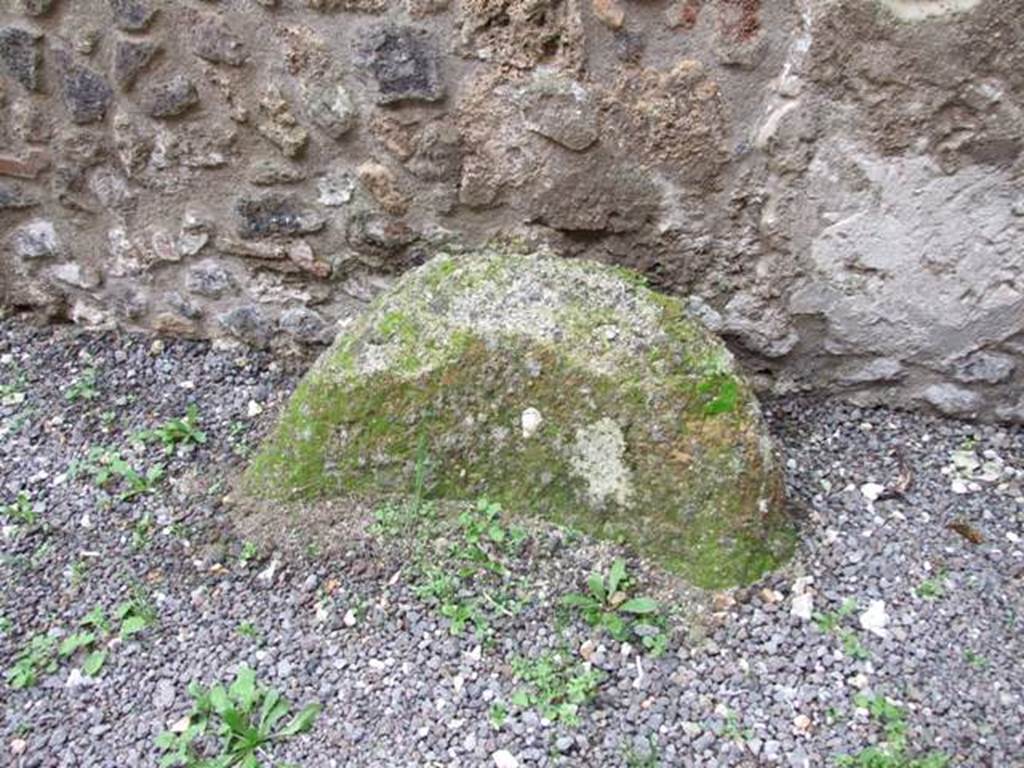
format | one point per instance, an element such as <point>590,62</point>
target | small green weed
<point>87,641</point>
<point>853,647</point>
<point>21,510</point>
<point>183,432</point>
<point>134,615</point>
<point>142,532</point>
<point>607,605</point>
<point>244,718</point>
<point>35,659</point>
<point>498,714</point>
<point>444,588</point>
<point>933,588</point>
<point>78,572</point>
<point>83,388</point>
<point>469,585</point>
<point>109,469</point>
<point>483,535</point>
<point>832,623</point>
<point>976,660</point>
<point>555,686</point>
<point>248,553</point>
<point>646,757</point>
<point>12,391</point>
<point>732,728</point>
<point>892,752</point>
<point>248,629</point>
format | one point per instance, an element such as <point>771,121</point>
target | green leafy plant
<point>932,589</point>
<point>892,752</point>
<point>21,510</point>
<point>248,629</point>
<point>832,623</point>
<point>444,588</point>
<point>142,531</point>
<point>976,660</point>
<point>646,757</point>
<point>108,468</point>
<point>607,605</point>
<point>233,726</point>
<point>497,714</point>
<point>470,583</point>
<point>248,553</point>
<point>183,431</point>
<point>12,391</point>
<point>481,534</point>
<point>87,641</point>
<point>134,615</point>
<point>83,388</point>
<point>731,727</point>
<point>240,444</point>
<point>555,686</point>
<point>832,620</point>
<point>853,647</point>
<point>36,658</point>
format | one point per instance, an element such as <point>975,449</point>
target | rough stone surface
<point>214,40</point>
<point>647,435</point>
<point>21,57</point>
<point>36,240</point>
<point>131,57</point>
<point>172,97</point>
<point>132,15</point>
<point>272,215</point>
<point>836,183</point>
<point>403,62</point>
<point>330,107</point>
<point>86,93</point>
<point>35,7</point>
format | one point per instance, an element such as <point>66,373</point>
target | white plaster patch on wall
<point>598,458</point>
<point>909,262</point>
<point>918,10</point>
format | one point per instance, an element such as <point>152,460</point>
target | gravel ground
<point>914,522</point>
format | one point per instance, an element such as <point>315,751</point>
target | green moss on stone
<point>703,495</point>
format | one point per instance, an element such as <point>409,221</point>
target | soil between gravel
<point>757,686</point>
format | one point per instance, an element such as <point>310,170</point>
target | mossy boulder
<point>560,388</point>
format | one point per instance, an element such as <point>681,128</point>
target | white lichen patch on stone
<point>530,422</point>
<point>599,460</point>
<point>918,10</point>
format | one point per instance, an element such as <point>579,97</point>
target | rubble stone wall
<point>835,185</point>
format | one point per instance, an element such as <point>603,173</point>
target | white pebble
<point>875,619</point>
<point>872,491</point>
<point>803,606</point>
<point>504,759</point>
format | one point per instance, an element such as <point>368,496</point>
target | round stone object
<point>560,388</point>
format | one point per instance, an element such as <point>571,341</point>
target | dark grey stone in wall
<point>273,215</point>
<point>131,57</point>
<point>21,57</point>
<point>35,7</point>
<point>172,97</point>
<point>404,64</point>
<point>86,94</point>
<point>214,41</point>
<point>132,15</point>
